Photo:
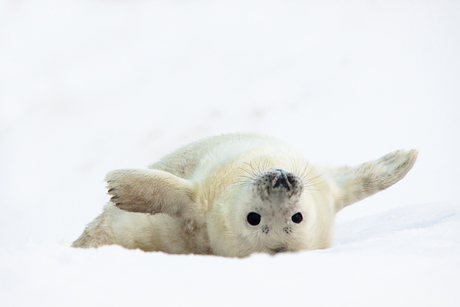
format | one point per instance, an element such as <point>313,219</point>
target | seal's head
<point>274,213</point>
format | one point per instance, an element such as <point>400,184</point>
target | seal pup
<point>234,195</point>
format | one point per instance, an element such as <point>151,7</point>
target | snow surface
<point>91,86</point>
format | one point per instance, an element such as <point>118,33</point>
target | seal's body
<point>233,195</point>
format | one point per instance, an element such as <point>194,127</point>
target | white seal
<point>233,195</point>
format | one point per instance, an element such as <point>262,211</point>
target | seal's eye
<point>297,218</point>
<point>253,218</point>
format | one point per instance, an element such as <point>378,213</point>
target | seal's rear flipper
<point>150,191</point>
<point>356,183</point>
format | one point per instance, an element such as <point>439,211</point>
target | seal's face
<point>274,214</point>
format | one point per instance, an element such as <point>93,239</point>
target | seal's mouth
<point>279,249</point>
<point>284,180</point>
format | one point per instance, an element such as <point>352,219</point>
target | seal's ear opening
<point>356,183</point>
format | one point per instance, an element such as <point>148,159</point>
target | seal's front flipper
<point>150,191</point>
<point>356,183</point>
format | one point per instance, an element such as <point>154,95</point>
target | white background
<point>91,86</point>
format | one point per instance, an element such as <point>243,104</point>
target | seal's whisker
<point>306,172</point>
<point>249,170</point>
<point>312,179</point>
<point>295,166</point>
<point>259,166</point>
<point>291,163</point>
<point>250,173</point>
<point>298,168</point>
<point>267,163</point>
<point>244,178</point>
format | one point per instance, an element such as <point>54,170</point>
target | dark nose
<point>283,180</point>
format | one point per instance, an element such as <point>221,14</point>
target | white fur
<point>197,199</point>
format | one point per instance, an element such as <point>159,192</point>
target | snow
<point>91,86</point>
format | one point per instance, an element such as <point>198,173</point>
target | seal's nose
<point>277,183</point>
<point>283,180</point>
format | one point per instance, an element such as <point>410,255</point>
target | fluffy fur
<point>197,199</point>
